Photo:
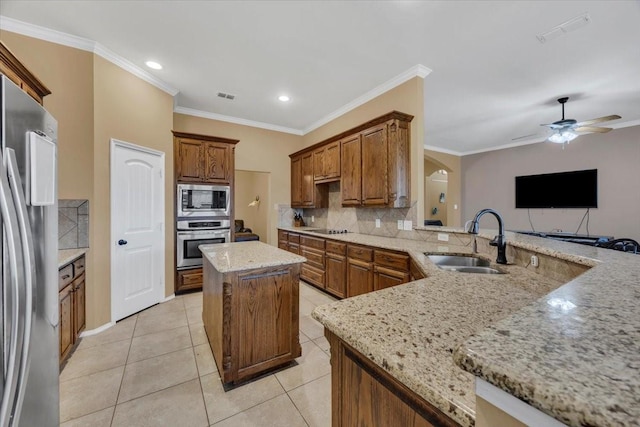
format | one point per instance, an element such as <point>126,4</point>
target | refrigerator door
<point>21,115</point>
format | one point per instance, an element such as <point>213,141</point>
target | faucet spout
<point>500,240</point>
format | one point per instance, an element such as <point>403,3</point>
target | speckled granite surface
<point>65,256</point>
<point>574,353</point>
<point>228,257</point>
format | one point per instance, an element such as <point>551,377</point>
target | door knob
<point>122,242</point>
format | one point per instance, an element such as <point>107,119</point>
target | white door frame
<point>160,154</point>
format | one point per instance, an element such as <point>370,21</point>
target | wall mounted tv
<point>576,189</point>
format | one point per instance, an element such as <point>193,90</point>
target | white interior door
<point>137,228</point>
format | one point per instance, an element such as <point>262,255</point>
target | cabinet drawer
<point>294,248</point>
<point>294,238</point>
<point>283,235</point>
<point>78,267</point>
<point>65,276</point>
<point>312,275</point>
<point>360,252</point>
<point>314,258</point>
<point>336,247</point>
<point>392,260</point>
<point>195,278</point>
<point>312,242</point>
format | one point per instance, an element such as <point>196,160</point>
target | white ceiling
<point>492,80</point>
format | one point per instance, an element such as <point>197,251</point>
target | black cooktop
<point>329,231</point>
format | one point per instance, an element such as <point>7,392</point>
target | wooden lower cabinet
<point>363,394</point>
<point>359,277</point>
<point>187,280</point>
<point>336,274</point>
<point>415,272</point>
<point>251,319</point>
<point>386,277</point>
<point>72,305</point>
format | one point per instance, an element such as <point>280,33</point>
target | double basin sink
<point>463,264</point>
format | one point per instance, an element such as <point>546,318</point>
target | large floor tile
<point>88,394</point>
<point>313,400</point>
<point>317,297</point>
<point>161,322</point>
<point>277,412</point>
<point>198,334</point>
<point>122,330</point>
<point>163,342</point>
<point>313,364</point>
<point>311,327</point>
<point>306,307</point>
<point>204,360</point>
<point>180,405</point>
<point>157,373</point>
<point>194,315</point>
<point>323,343</point>
<point>192,300</point>
<point>174,304</point>
<point>303,338</point>
<point>97,419</point>
<point>221,404</point>
<point>90,360</point>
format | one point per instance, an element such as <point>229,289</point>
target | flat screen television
<point>575,189</point>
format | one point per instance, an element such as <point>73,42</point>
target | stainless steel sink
<point>463,264</point>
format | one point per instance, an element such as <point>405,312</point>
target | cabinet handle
<point>65,277</point>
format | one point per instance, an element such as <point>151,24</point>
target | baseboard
<point>96,330</point>
<point>169,298</point>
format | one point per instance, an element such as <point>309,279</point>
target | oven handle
<point>205,235</point>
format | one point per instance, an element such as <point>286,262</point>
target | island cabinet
<point>203,158</point>
<point>71,297</point>
<point>15,71</point>
<point>336,268</point>
<point>250,308</point>
<point>326,162</point>
<point>363,394</point>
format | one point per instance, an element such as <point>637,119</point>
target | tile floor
<point>156,369</point>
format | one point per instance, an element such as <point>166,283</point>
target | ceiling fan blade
<point>553,126</point>
<point>592,129</point>
<point>524,137</point>
<point>598,120</point>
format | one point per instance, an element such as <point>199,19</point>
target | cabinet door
<point>360,277</point>
<point>385,278</point>
<point>336,274</point>
<point>65,330</point>
<point>374,166</point>
<point>351,172</point>
<point>79,305</point>
<point>332,160</point>
<point>296,182</point>
<point>188,279</point>
<point>318,164</point>
<point>308,185</point>
<point>189,161</point>
<point>216,163</point>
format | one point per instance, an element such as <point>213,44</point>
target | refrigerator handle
<point>28,255</point>
<point>16,267</point>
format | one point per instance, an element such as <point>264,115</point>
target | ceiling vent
<point>226,96</point>
<point>562,29</point>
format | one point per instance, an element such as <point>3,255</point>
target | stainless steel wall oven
<point>193,233</point>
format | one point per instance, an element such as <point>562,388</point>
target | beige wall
<point>259,150</point>
<point>406,98</point>
<point>248,185</point>
<point>129,109</point>
<point>489,181</point>
<point>452,164</point>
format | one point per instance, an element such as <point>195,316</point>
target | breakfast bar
<point>250,307</point>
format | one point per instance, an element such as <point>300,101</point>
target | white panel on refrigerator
<point>41,179</point>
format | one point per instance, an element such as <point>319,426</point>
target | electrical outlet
<point>535,261</point>
<point>443,237</point>
<point>377,222</point>
<point>408,225</point>
<point>400,224</point>
<point>313,218</point>
<point>455,207</point>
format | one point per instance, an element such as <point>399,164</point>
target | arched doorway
<point>436,188</point>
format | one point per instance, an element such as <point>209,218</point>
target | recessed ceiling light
<point>284,98</point>
<point>154,65</point>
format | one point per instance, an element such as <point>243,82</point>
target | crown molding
<point>442,150</point>
<point>58,37</point>
<point>415,71</point>
<point>236,120</point>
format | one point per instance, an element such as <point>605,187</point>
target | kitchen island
<point>538,337</point>
<point>250,307</point>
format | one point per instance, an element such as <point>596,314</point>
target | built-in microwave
<point>203,201</point>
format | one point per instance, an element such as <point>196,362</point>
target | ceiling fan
<point>566,130</point>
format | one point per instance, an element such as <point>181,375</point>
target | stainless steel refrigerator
<point>29,212</point>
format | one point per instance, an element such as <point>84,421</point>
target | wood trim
<point>378,120</point>
<point>204,137</point>
<point>12,63</point>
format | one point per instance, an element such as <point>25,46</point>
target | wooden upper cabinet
<point>203,159</point>
<point>304,192</point>
<point>326,162</point>
<point>296,182</point>
<point>15,71</point>
<point>374,166</point>
<point>351,176</point>
<point>307,180</point>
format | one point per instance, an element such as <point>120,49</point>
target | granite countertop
<point>228,257</point>
<point>497,327</point>
<point>65,256</point>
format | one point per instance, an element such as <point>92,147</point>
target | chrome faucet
<point>500,240</point>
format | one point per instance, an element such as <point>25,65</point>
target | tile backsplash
<point>73,224</point>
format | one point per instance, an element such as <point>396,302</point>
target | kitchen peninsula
<point>537,334</point>
<point>250,307</point>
